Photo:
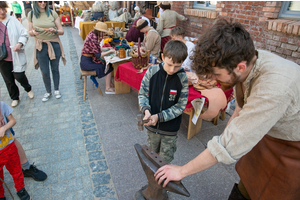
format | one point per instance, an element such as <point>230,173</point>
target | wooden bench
<point>85,74</point>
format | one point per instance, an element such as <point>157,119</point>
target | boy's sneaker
<point>30,94</point>
<point>46,97</point>
<point>34,173</point>
<point>23,194</point>
<point>57,94</point>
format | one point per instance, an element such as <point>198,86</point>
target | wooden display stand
<point>192,128</point>
<point>120,88</point>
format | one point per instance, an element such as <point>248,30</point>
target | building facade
<point>273,25</point>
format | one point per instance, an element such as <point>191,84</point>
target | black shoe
<point>23,194</point>
<point>3,198</point>
<point>236,194</point>
<point>34,173</point>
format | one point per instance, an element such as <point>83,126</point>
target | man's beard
<point>234,79</point>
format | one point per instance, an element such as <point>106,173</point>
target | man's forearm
<point>202,162</point>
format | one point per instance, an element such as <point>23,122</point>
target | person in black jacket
<point>162,97</point>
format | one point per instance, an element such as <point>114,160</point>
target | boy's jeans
<point>10,158</point>
<point>163,144</point>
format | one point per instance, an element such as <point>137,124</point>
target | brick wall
<point>281,37</point>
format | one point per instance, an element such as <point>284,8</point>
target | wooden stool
<point>192,128</point>
<point>216,119</point>
<point>85,74</point>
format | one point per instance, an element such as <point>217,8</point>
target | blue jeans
<point>43,59</point>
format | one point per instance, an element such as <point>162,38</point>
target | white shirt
<point>145,18</point>
<point>187,63</point>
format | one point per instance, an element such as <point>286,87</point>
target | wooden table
<point>120,88</point>
<point>86,27</point>
<point>126,76</point>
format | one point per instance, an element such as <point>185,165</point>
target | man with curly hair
<point>263,134</point>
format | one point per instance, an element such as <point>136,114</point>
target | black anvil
<point>151,162</point>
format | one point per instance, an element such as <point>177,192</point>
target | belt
<point>88,55</point>
<point>170,27</point>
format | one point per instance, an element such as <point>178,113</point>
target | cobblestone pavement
<point>60,135</point>
<point>86,147</point>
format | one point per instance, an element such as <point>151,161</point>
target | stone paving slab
<point>58,135</point>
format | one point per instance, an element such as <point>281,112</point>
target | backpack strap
<point>4,40</point>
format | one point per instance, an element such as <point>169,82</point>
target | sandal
<point>110,91</point>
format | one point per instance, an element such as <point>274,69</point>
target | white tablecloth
<point>113,59</point>
<point>77,20</point>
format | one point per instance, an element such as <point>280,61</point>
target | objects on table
<point>140,56</point>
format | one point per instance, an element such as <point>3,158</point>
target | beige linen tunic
<point>98,7</point>
<point>152,42</point>
<point>136,16</point>
<point>166,20</point>
<point>272,107</point>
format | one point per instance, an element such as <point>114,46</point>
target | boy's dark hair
<point>224,45</point>
<point>178,31</point>
<point>176,50</point>
<point>3,4</point>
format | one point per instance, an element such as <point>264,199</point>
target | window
<point>205,4</point>
<point>290,9</point>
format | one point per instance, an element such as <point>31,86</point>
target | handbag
<point>3,50</point>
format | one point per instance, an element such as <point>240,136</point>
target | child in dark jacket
<point>9,156</point>
<point>162,97</point>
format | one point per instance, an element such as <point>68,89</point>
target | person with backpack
<point>45,26</point>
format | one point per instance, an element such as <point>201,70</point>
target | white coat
<point>17,33</point>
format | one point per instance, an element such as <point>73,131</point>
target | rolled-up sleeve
<point>264,108</point>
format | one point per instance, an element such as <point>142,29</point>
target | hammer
<point>141,122</point>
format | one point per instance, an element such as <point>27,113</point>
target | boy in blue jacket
<point>162,97</point>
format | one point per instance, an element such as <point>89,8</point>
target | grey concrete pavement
<point>115,116</point>
<point>86,147</point>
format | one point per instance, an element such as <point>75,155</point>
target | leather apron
<point>271,170</point>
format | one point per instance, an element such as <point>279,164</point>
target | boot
<point>236,194</point>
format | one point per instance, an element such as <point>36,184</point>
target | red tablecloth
<point>127,74</point>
